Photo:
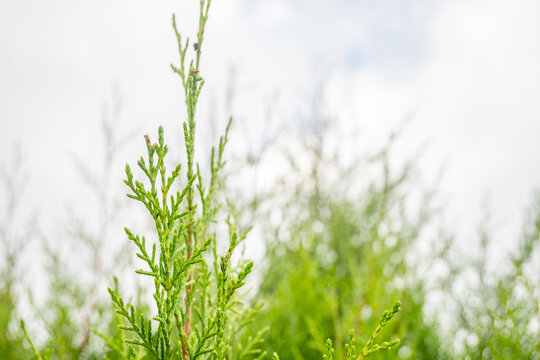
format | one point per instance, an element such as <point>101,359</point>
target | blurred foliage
<point>342,242</point>
<point>13,239</point>
<point>336,259</point>
<point>337,256</point>
<point>74,305</point>
<point>497,314</point>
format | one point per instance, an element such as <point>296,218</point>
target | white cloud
<point>468,69</point>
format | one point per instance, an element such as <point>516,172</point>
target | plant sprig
<point>192,319</point>
<point>370,347</point>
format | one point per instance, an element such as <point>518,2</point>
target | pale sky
<point>466,69</point>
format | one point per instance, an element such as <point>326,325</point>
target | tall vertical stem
<point>194,85</point>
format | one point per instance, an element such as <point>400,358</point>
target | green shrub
<point>334,259</point>
<point>497,311</point>
<point>336,253</point>
<point>195,288</point>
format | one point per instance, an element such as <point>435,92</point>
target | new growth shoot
<point>193,298</point>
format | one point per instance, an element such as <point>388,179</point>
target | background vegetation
<point>343,242</point>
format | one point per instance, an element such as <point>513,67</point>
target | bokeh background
<point>458,81</point>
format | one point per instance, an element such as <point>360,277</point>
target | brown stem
<point>189,289</point>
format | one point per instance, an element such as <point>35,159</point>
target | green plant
<point>13,239</point>
<point>498,311</point>
<point>336,250</point>
<point>195,289</point>
<point>370,347</point>
<point>333,256</point>
<point>74,304</point>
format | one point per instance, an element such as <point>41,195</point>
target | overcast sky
<point>466,70</point>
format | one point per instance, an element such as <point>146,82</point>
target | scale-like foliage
<point>193,297</point>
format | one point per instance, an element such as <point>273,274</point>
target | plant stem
<point>192,94</point>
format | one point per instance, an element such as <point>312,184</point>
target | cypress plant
<point>195,311</point>
<point>195,287</point>
<point>337,253</point>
